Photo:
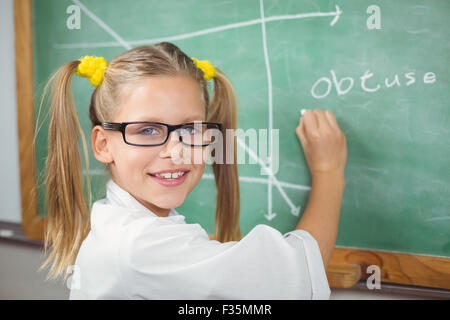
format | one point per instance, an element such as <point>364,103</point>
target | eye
<point>149,131</point>
<point>188,130</point>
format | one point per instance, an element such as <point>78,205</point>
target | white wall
<point>18,262</point>
<point>9,163</point>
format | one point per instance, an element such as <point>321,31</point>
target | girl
<point>145,112</point>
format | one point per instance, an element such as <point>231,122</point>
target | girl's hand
<point>324,144</point>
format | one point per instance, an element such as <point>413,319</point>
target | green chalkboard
<point>385,79</point>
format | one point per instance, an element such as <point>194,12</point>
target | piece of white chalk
<point>6,233</point>
<point>303,111</point>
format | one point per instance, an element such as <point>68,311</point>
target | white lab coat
<point>131,253</point>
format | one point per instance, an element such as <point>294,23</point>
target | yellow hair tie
<point>208,69</point>
<point>92,68</point>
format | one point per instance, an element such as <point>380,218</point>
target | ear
<point>100,145</point>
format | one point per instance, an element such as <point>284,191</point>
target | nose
<point>173,147</point>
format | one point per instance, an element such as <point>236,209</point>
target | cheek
<point>197,173</point>
<point>132,161</point>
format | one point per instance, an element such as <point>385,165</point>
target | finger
<point>331,119</point>
<point>322,120</point>
<point>310,123</point>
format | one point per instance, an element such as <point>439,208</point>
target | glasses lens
<point>199,134</point>
<point>145,133</point>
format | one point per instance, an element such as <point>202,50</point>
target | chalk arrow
<point>268,172</point>
<point>336,17</point>
<point>120,42</point>
<point>270,215</point>
<point>295,211</point>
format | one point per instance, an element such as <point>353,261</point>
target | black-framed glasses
<point>146,133</point>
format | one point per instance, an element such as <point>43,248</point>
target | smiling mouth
<point>172,175</point>
<point>170,179</point>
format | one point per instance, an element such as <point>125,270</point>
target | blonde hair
<point>68,220</point>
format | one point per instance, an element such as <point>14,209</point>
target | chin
<point>169,202</point>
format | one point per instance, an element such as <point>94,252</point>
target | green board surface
<point>388,87</point>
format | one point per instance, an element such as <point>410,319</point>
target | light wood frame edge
<point>400,268</point>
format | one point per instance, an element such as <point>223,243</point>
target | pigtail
<point>68,221</point>
<point>223,109</point>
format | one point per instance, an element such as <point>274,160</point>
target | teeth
<point>168,175</point>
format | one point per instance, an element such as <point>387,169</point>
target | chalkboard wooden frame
<point>347,266</point>
<point>32,223</point>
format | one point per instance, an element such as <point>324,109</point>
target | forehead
<point>168,99</point>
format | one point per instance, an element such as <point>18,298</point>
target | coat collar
<point>117,196</point>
